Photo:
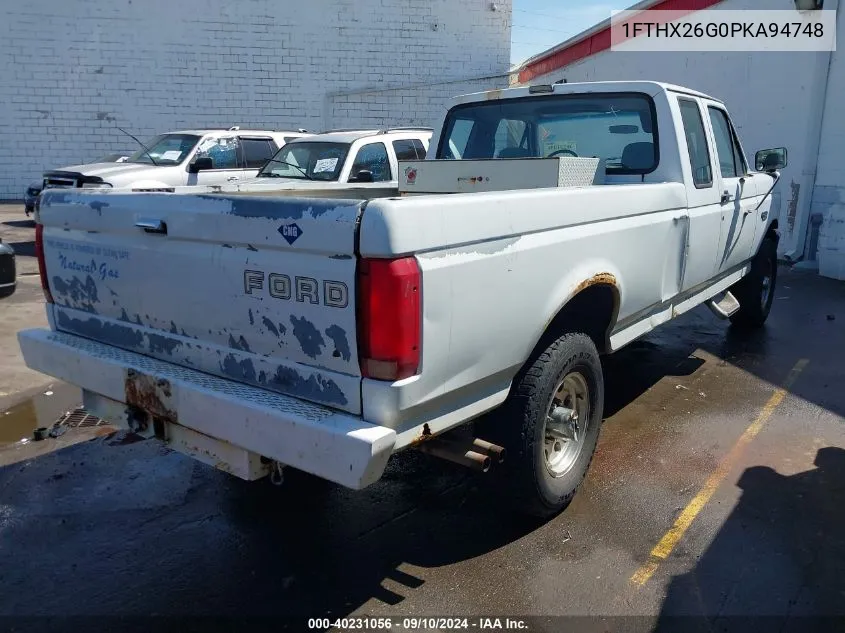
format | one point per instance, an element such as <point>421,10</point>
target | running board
<point>725,308</point>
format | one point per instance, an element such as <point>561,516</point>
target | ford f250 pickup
<point>327,334</point>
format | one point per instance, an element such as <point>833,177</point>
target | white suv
<point>188,157</point>
<point>347,156</point>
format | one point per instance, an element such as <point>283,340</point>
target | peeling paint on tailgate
<point>223,292</point>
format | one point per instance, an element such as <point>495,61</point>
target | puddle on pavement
<point>18,422</point>
<point>42,409</point>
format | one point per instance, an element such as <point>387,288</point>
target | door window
<point>731,162</point>
<point>373,158</point>
<point>223,152</point>
<point>699,154</point>
<point>406,149</point>
<point>257,151</point>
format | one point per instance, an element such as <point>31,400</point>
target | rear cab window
<point>619,128</point>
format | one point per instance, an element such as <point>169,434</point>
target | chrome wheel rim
<point>566,423</point>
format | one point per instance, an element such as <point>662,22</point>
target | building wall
<point>73,71</point>
<point>829,192</point>
<point>769,96</point>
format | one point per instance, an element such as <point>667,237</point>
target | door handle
<point>152,226</point>
<point>726,196</point>
<point>231,178</point>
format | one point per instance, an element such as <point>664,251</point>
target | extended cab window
<point>618,128</point>
<point>373,158</point>
<point>699,154</point>
<point>731,162</point>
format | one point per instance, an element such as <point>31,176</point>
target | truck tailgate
<point>257,290</point>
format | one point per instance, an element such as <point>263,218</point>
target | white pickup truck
<point>328,334</point>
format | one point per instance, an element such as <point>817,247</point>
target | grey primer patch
<point>98,205</point>
<point>309,337</point>
<point>338,337</point>
<point>270,326</point>
<point>240,344</point>
<point>84,294</point>
<point>243,371</point>
<point>276,209</point>
<point>162,344</point>
<point>314,388</point>
<point>109,333</point>
<point>251,318</point>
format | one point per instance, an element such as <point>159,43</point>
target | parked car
<point>257,332</point>
<point>188,157</point>
<point>30,196</point>
<point>8,280</point>
<point>346,156</point>
<point>34,189</point>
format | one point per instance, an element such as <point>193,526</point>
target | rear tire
<point>548,456</point>
<point>756,291</point>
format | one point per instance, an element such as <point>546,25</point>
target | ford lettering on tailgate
<point>335,294</point>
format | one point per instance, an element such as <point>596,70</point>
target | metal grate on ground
<point>79,418</point>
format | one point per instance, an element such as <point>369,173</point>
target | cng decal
<point>290,232</point>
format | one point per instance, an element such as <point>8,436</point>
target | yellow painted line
<point>666,544</point>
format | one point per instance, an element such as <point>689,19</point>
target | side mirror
<point>203,163</point>
<point>365,175</point>
<point>770,159</point>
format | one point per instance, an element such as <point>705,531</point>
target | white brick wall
<point>767,94</point>
<point>72,71</point>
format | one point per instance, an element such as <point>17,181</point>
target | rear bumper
<point>318,440</point>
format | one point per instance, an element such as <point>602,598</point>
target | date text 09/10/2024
<point>417,624</point>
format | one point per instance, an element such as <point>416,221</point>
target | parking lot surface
<point>716,501</point>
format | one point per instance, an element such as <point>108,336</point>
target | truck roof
<point>649,87</point>
<point>241,131</point>
<point>350,136</point>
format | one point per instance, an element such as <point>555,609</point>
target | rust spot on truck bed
<point>599,278</point>
<point>150,394</point>
<point>423,437</point>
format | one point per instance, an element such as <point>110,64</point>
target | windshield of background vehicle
<point>307,160</point>
<point>166,149</point>
<point>619,128</point>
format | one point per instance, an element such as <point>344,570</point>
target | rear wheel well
<point>592,311</point>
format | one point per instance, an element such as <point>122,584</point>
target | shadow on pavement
<point>777,562</point>
<point>23,249</point>
<point>20,224</point>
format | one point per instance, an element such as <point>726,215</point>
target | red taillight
<point>389,317</point>
<point>42,268</point>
